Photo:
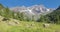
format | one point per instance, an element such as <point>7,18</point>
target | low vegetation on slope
<point>13,25</point>
<point>6,12</point>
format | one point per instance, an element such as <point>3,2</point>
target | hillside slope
<point>24,26</point>
<point>53,17</point>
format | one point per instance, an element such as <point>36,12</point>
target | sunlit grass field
<point>25,26</point>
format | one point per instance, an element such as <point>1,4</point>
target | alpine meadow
<point>35,18</point>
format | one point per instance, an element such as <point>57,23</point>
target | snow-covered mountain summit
<point>35,9</point>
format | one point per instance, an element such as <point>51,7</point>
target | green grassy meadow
<point>24,26</point>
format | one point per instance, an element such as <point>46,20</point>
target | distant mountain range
<point>35,10</point>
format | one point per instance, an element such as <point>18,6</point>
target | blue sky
<point>47,3</point>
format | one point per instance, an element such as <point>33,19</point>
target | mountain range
<point>35,10</point>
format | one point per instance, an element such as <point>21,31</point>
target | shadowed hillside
<point>53,17</point>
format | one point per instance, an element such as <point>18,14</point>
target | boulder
<point>5,19</point>
<point>46,25</point>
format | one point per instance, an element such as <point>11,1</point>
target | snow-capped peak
<point>36,9</point>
